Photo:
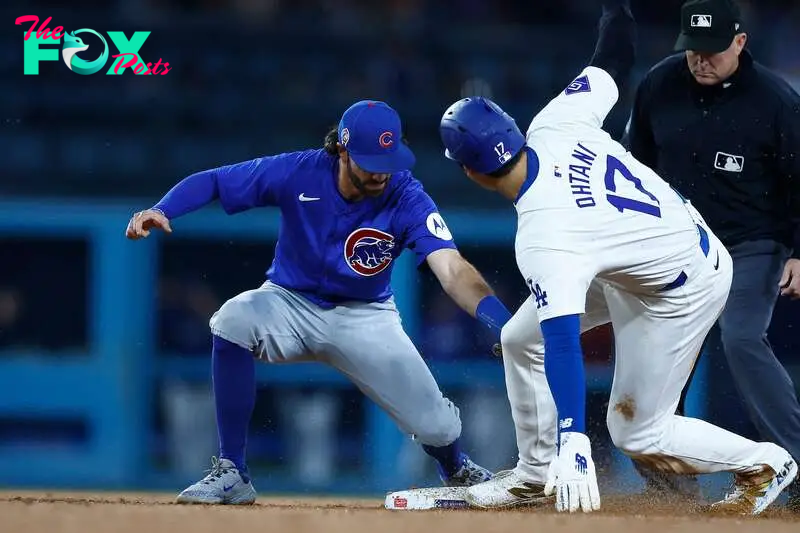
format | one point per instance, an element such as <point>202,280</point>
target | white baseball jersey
<point>592,210</point>
<point>603,236</point>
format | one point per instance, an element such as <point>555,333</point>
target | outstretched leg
<point>657,341</point>
<point>371,348</point>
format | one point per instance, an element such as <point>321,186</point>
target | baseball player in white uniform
<point>601,238</point>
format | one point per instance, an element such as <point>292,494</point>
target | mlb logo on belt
<point>701,21</point>
<point>728,162</point>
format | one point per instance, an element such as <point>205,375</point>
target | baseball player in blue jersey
<point>348,211</point>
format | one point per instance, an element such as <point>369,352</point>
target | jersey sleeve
<point>558,282</point>
<point>424,228</point>
<point>584,103</point>
<point>254,183</point>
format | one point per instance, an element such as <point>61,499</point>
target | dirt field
<point>26,512</point>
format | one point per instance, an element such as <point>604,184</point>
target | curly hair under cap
<point>331,143</point>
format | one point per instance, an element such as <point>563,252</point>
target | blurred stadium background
<point>104,344</point>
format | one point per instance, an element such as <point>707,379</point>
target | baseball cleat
<point>753,493</point>
<point>223,485</point>
<point>469,474</point>
<point>507,489</point>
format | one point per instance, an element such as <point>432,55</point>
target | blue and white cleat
<point>469,474</point>
<point>755,492</point>
<point>223,485</point>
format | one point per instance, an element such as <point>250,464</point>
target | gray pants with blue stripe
<point>364,341</point>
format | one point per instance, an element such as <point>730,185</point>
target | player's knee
<point>627,436</point>
<point>634,441</point>
<point>628,445</point>
<point>520,339</point>
<point>439,427</point>
<point>234,322</point>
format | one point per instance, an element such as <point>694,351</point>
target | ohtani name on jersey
<point>579,176</point>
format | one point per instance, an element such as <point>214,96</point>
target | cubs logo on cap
<point>372,133</point>
<point>386,139</point>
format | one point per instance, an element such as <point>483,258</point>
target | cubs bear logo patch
<point>368,251</point>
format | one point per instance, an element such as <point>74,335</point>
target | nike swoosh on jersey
<point>304,198</point>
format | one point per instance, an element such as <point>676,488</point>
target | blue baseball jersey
<point>329,249</point>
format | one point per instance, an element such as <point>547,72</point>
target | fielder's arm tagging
<point>348,211</point>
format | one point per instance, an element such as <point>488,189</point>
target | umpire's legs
<point>763,383</point>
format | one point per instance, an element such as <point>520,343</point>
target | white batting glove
<point>572,476</point>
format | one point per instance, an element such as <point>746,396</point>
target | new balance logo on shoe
<point>787,467</point>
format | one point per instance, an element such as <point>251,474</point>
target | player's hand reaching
<point>572,476</point>
<point>790,281</point>
<point>142,222</point>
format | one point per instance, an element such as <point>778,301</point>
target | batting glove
<point>572,476</point>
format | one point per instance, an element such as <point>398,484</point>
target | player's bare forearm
<point>465,285</point>
<point>459,279</point>
<point>469,288</point>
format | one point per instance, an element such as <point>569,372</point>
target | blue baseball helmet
<point>479,135</point>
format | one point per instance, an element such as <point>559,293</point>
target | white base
<point>427,498</point>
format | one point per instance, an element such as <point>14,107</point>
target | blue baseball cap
<point>372,134</point>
